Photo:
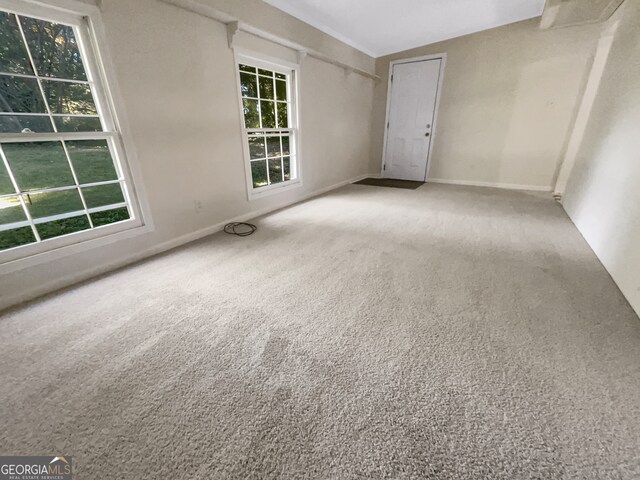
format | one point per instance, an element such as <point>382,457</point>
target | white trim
<point>292,70</point>
<point>434,124</point>
<point>74,249</point>
<point>265,62</point>
<point>64,282</point>
<point>49,249</point>
<point>110,100</point>
<point>273,189</point>
<point>506,186</point>
<point>100,71</point>
<point>69,13</point>
<point>55,136</point>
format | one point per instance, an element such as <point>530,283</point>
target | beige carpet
<point>445,333</point>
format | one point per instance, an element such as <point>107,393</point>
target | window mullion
<point>75,179</point>
<point>269,130</point>
<point>66,187</point>
<point>35,72</point>
<point>266,155</point>
<point>54,136</point>
<point>282,158</point>
<point>34,77</point>
<point>17,190</point>
<point>275,101</point>
<point>259,100</point>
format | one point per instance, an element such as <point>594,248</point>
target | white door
<point>412,105</point>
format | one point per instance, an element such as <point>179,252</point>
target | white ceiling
<point>381,27</point>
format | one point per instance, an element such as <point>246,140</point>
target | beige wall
<point>176,76</point>
<point>603,192</point>
<point>508,100</point>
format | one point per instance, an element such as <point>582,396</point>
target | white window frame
<point>254,59</point>
<point>91,43</point>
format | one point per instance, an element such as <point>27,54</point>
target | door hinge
<point>387,125</point>
<point>392,77</point>
<point>384,167</point>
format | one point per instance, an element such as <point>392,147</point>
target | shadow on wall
<point>605,215</point>
<point>584,112</point>
<point>541,116</point>
<point>602,196</point>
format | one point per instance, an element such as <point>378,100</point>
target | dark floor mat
<point>390,182</point>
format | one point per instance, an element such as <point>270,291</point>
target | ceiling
<point>562,13</point>
<point>381,27</point>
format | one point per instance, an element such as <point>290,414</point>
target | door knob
<point>426,134</point>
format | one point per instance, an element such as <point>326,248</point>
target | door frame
<point>443,58</point>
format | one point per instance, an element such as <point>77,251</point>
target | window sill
<point>256,194</point>
<point>30,257</point>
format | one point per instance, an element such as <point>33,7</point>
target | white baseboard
<point>69,280</point>
<point>506,186</point>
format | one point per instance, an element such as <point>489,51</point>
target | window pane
<point>78,124</point>
<point>103,195</point>
<point>247,68</point>
<point>16,237</point>
<point>273,146</point>
<point>249,85</point>
<point>275,170</point>
<point>256,146</point>
<point>63,227</point>
<point>91,160</point>
<point>268,114</point>
<point>20,95</point>
<point>287,168</point>
<point>251,114</point>
<point>38,165</point>
<point>11,210</point>
<point>25,123</point>
<point>283,118</point>
<point>66,97</point>
<point>259,173</point>
<point>285,145</point>
<point>281,90</point>
<point>266,88</point>
<point>109,216</point>
<point>5,182</point>
<point>47,204</point>
<point>13,55</point>
<point>54,49</point>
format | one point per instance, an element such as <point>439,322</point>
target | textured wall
<point>508,101</point>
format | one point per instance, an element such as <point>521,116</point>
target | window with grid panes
<point>269,124</point>
<point>59,171</point>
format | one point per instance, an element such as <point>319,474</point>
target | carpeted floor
<point>443,333</point>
